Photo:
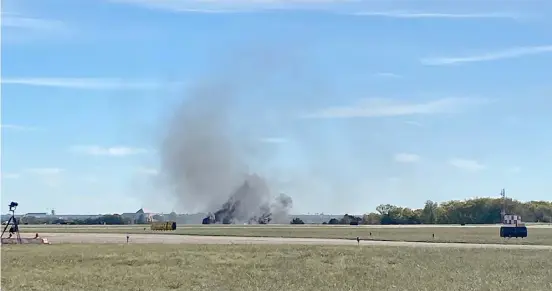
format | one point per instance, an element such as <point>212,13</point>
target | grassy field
<point>264,267</point>
<point>467,234</point>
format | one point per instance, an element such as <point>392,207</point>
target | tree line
<point>108,219</point>
<point>471,211</point>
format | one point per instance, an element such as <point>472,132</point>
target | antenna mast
<point>503,195</point>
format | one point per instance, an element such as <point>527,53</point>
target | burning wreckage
<point>226,215</point>
<point>249,204</point>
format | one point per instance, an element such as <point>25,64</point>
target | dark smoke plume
<point>204,159</point>
<point>249,204</point>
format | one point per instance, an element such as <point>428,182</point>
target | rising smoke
<point>204,159</point>
<point>249,203</point>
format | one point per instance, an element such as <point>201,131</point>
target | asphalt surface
<point>56,238</point>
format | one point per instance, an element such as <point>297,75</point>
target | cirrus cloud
<point>386,107</point>
<point>510,53</point>
<point>115,151</point>
<point>86,83</point>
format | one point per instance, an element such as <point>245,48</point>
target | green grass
<point>266,267</point>
<point>537,236</point>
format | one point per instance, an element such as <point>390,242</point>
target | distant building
<point>77,216</point>
<point>37,214</point>
<point>135,217</point>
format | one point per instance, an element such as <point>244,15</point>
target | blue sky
<point>352,103</point>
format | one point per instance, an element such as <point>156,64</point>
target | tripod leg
<point>16,226</point>
<point>7,224</point>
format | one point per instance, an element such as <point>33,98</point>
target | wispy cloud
<point>273,140</point>
<point>407,158</point>
<point>45,171</point>
<point>17,21</point>
<point>411,14</point>
<point>379,107</point>
<point>116,151</point>
<point>234,6</point>
<point>17,127</point>
<point>489,56</point>
<point>337,6</point>
<point>85,83</point>
<point>21,28</point>
<point>468,165</point>
<point>187,6</point>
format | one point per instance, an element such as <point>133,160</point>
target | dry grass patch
<point>268,267</point>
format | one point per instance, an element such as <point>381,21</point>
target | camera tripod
<point>14,229</point>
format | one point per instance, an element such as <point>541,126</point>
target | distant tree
<point>350,219</point>
<point>371,218</point>
<point>387,213</point>
<point>59,221</point>
<point>333,221</point>
<point>297,220</point>
<point>114,219</point>
<point>109,219</point>
<point>29,220</point>
<point>429,213</point>
<point>173,216</point>
<point>471,211</point>
<point>384,209</point>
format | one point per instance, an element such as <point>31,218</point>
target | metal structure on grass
<point>14,236</point>
<point>512,225</point>
<point>12,224</point>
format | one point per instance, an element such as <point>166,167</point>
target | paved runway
<point>55,238</point>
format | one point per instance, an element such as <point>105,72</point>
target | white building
<point>135,217</point>
<point>37,214</point>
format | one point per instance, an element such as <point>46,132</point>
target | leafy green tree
<point>429,215</point>
<point>471,211</point>
<point>371,218</point>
